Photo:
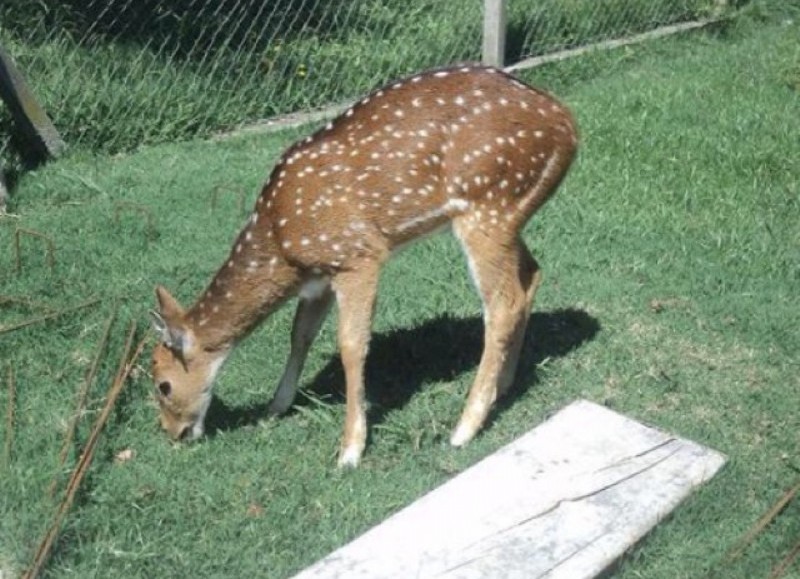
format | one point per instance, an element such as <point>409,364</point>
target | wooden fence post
<point>494,32</point>
<point>35,126</point>
<point>3,192</point>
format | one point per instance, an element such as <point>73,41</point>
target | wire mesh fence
<point>116,74</point>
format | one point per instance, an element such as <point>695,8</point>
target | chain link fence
<point>116,74</point>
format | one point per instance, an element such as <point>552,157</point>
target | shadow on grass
<point>401,361</point>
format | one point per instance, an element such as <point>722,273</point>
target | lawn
<point>672,267</point>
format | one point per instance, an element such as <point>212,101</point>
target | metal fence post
<point>494,32</point>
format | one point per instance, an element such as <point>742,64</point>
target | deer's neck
<point>253,281</point>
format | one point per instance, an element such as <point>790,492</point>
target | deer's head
<point>183,370</point>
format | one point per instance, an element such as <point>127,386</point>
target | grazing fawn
<point>470,147</point>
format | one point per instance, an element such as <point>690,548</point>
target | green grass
<point>672,263</point>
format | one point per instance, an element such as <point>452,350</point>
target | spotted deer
<point>468,147</point>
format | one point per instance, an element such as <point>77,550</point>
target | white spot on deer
<point>441,74</point>
<point>459,100</point>
<point>282,222</point>
<point>503,101</point>
<point>399,113</point>
<point>538,134</point>
<point>286,244</point>
<point>416,102</point>
<point>349,112</point>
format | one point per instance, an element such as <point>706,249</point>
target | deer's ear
<point>168,306</point>
<point>169,323</point>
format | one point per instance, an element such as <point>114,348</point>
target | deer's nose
<point>185,433</point>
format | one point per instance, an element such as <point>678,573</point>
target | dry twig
<point>12,396</point>
<point>761,524</point>
<point>141,209</point>
<point>81,400</point>
<point>51,247</point>
<point>781,568</point>
<point>47,317</point>
<point>126,364</point>
<point>240,195</point>
<point>23,301</point>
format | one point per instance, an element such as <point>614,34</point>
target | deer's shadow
<point>400,362</point>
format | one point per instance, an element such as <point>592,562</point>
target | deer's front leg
<point>311,312</point>
<point>355,296</point>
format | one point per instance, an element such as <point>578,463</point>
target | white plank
<point>563,501</point>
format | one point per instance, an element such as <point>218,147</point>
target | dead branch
<point>126,363</point>
<point>12,396</point>
<point>51,247</point>
<point>47,317</point>
<point>81,400</point>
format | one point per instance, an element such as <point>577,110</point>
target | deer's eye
<point>165,388</point>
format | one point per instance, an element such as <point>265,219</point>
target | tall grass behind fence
<point>115,74</point>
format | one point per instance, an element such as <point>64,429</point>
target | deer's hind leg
<point>312,310</point>
<point>356,292</point>
<point>506,276</point>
